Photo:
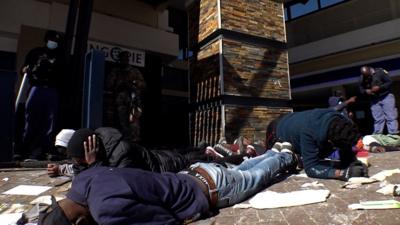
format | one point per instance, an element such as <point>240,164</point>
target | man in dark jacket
<point>116,196</point>
<point>376,83</point>
<point>43,67</point>
<point>106,146</point>
<point>316,134</point>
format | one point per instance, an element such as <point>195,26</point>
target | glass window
<point>300,9</point>
<point>325,3</point>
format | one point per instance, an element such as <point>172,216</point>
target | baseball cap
<point>63,137</point>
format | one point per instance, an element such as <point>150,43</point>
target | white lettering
<point>137,57</point>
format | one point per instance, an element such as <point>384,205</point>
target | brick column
<point>239,70</point>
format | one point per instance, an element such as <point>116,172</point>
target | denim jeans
<point>236,184</point>
<point>384,110</point>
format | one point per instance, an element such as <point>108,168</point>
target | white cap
<point>63,137</point>
<point>367,140</point>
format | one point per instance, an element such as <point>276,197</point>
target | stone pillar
<point>239,78</point>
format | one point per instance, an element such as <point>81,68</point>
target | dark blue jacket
<point>126,196</point>
<point>45,66</point>
<point>307,132</point>
<point>379,78</point>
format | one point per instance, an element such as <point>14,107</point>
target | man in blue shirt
<point>132,196</point>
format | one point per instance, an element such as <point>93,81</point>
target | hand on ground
<point>52,170</point>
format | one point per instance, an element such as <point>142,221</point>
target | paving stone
<point>332,212</point>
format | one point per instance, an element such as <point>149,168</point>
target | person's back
<point>165,198</point>
<point>312,123</point>
<point>315,134</point>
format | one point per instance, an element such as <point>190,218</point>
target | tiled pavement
<point>333,211</point>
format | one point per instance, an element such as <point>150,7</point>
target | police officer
<point>376,83</point>
<point>42,64</point>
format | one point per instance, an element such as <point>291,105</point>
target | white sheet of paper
<point>10,218</point>
<point>27,190</point>
<point>46,199</point>
<point>271,199</point>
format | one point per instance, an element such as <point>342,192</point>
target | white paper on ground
<point>387,189</point>
<point>45,199</point>
<point>356,182</point>
<point>27,190</point>
<point>385,204</point>
<point>6,208</point>
<point>300,175</point>
<point>270,199</point>
<point>313,184</point>
<point>10,218</point>
<point>385,173</point>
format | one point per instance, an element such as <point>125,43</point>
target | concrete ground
<point>333,211</point>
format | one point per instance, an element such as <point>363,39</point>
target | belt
<point>201,175</point>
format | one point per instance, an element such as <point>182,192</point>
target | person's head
<point>123,58</point>
<point>366,71</point>
<point>66,212</point>
<point>338,93</point>
<point>343,133</point>
<point>62,140</point>
<point>75,148</point>
<point>52,39</point>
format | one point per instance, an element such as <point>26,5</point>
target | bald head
<point>366,71</point>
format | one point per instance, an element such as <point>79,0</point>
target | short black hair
<point>343,132</point>
<point>75,145</point>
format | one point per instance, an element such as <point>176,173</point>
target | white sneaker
<point>287,145</point>
<point>277,147</point>
<point>211,151</point>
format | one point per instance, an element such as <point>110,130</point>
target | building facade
<point>151,32</point>
<point>329,40</point>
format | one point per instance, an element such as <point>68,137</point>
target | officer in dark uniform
<point>376,83</point>
<point>43,66</point>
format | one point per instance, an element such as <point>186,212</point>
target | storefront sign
<point>111,53</point>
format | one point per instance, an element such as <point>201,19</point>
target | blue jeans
<point>384,110</point>
<point>240,182</point>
